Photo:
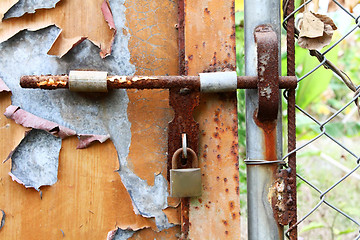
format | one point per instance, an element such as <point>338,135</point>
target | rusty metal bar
<point>183,104</point>
<point>51,82</point>
<point>264,138</point>
<point>290,25</point>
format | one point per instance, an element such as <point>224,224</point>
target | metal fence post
<point>261,221</point>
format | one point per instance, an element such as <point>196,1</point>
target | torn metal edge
<point>88,139</point>
<point>13,151</point>
<point>18,9</point>
<point>111,235</point>
<point>4,87</point>
<point>16,179</point>
<point>76,41</point>
<point>27,119</point>
<point>108,16</point>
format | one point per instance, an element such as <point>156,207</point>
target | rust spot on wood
<point>236,178</point>
<point>231,204</point>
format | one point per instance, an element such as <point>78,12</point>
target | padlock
<point>185,182</point>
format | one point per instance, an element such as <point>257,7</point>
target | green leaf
<point>312,226</point>
<point>311,88</point>
<point>346,231</point>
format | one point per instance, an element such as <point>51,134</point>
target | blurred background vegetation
<point>321,94</point>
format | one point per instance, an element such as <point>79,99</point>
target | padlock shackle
<point>177,153</point>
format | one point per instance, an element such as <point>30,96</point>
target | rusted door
<point>116,189</point>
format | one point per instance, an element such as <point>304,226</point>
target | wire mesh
<point>337,187</point>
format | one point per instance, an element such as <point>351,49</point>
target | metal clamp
<point>88,81</point>
<point>218,81</point>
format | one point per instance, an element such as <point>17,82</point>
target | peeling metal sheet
<point>27,119</point>
<point>87,140</point>
<point>31,165</point>
<point>105,8</point>
<point>75,26</point>
<point>86,114</point>
<point>28,6</point>
<point>3,87</point>
<point>149,201</point>
<point>119,234</point>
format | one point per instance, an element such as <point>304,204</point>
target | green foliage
<point>240,69</point>
<point>311,88</point>
<point>312,226</point>
<point>239,20</point>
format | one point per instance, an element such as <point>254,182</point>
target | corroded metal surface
<point>143,159</point>
<point>281,197</point>
<point>147,82</point>
<point>268,72</point>
<point>290,26</point>
<point>215,215</point>
<point>183,122</point>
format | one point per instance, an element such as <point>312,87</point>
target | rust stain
<point>199,16</point>
<point>269,130</point>
<point>213,49</point>
<point>220,178</point>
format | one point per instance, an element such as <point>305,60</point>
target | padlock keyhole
<point>183,161</point>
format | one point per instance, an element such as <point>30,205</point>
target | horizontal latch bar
<point>158,82</point>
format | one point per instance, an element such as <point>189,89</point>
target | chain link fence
<point>328,154</point>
